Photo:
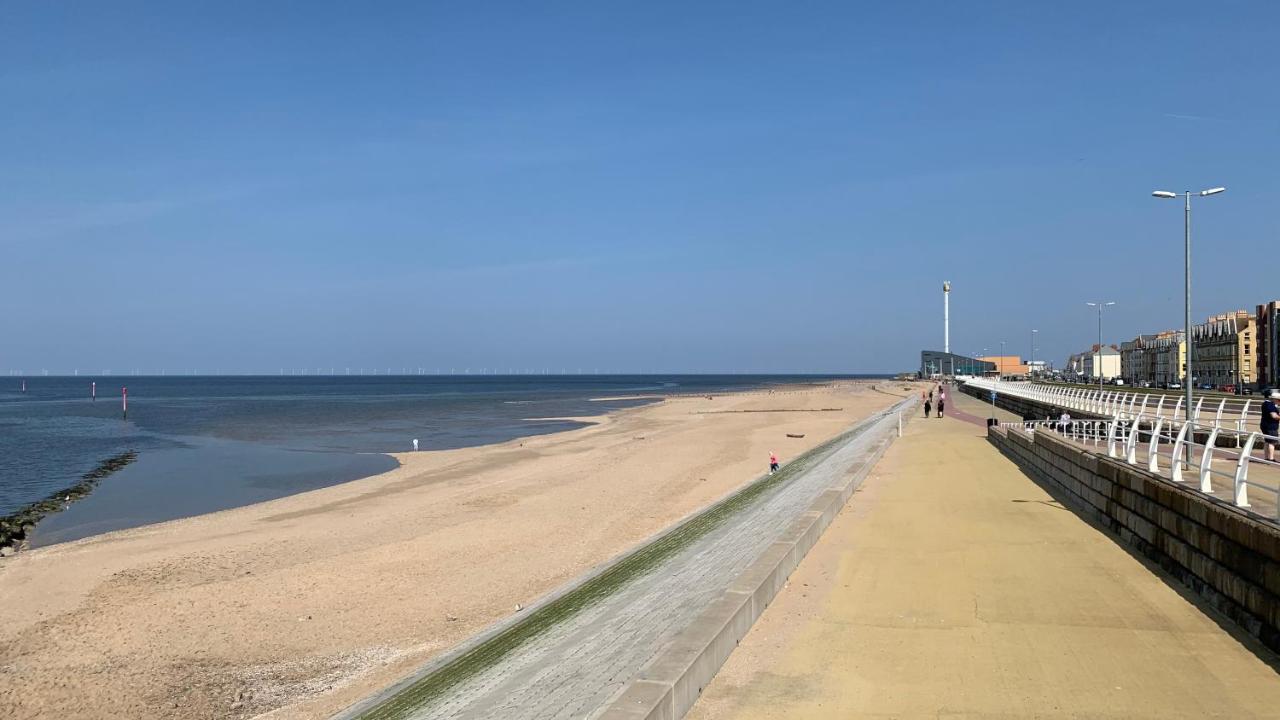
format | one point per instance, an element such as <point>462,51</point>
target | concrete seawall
<point>670,684</point>
<point>1226,557</point>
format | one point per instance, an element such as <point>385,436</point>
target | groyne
<point>15,528</point>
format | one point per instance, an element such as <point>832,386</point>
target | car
<point>1172,386</point>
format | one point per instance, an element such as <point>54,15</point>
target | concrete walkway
<point>953,586</point>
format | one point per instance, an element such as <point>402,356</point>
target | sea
<point>215,442</point>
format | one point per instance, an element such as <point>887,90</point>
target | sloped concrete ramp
<point>581,652</point>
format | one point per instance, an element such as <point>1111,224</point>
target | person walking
<point>928,407</point>
<point>942,401</point>
<point>1270,424</point>
<point>773,462</point>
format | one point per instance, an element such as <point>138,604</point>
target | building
<point>1099,361</point>
<point>1223,349</point>
<point>937,362</point>
<point>1266,350</point>
<point>1007,365</point>
<point>1168,358</point>
<point>1039,367</point>
<point>1136,365</point>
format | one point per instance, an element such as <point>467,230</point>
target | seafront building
<point>1008,365</point>
<point>1266,352</point>
<point>938,362</point>
<point>1136,359</point>
<point>1223,349</point>
<point>1169,350</point>
<point>1099,361</point>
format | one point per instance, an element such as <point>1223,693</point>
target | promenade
<point>952,585</point>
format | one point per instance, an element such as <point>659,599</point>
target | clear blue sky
<point>631,186</point>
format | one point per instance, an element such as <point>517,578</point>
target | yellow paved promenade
<point>953,586</point>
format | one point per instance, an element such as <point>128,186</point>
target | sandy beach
<point>298,607</point>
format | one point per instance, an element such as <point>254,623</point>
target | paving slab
<point>954,586</point>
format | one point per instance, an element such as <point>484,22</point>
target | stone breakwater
<point>15,528</point>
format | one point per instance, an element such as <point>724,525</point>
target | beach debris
<point>795,435</point>
<point>519,607</point>
<point>450,618</point>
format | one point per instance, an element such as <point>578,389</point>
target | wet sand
<point>298,607</point>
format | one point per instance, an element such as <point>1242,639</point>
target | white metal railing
<point>1216,445</point>
<point>1238,414</point>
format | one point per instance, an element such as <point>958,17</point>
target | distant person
<point>415,444</point>
<point>928,407</point>
<point>1271,424</point>
<point>773,462</point>
<point>1064,421</point>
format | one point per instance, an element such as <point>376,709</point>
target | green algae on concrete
<point>454,671</point>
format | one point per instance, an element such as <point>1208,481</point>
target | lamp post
<point>1098,365</point>
<point>1186,280</point>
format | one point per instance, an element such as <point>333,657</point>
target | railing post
<point>1243,423</point>
<point>1242,472</point>
<point>1153,448</point>
<point>1112,428</point>
<point>1131,447</point>
<point>1175,474</point>
<point>1206,461</point>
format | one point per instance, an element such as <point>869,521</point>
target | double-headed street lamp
<point>1186,373</point>
<point>1097,366</point>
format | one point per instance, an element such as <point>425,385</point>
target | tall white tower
<point>946,316</point>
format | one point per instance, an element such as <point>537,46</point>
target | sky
<point>629,187</point>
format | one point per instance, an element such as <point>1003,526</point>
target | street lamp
<point>1097,366</point>
<point>1186,289</point>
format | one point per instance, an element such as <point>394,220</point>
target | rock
<point>450,618</point>
<point>237,705</point>
<point>6,551</point>
<point>519,607</point>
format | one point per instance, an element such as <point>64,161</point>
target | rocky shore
<point>15,528</point>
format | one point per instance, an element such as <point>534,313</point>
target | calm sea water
<point>211,443</point>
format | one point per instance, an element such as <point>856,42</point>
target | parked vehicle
<point>1172,386</point>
